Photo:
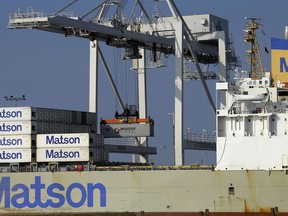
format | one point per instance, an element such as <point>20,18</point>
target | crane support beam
<point>111,80</point>
<point>178,138</point>
<point>93,78</point>
<point>189,39</point>
<point>71,25</point>
<point>142,100</point>
<point>130,149</point>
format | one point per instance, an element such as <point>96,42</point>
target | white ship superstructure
<point>252,120</point>
<point>252,127</point>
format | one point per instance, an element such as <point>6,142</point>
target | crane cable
<point>125,80</point>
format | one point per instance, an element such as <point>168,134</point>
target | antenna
<point>95,8</point>
<point>16,99</point>
<point>68,5</point>
<point>156,13</point>
<point>254,57</point>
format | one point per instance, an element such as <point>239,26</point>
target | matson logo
<point>53,195</point>
<point>10,114</point>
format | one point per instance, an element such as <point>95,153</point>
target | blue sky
<point>52,71</point>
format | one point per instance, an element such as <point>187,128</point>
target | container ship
<point>52,160</point>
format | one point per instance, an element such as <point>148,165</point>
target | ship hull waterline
<point>153,192</point>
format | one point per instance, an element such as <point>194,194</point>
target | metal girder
<point>199,145</point>
<point>189,37</point>
<point>130,149</point>
<point>70,25</point>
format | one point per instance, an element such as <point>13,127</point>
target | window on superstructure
<point>231,190</point>
<point>283,93</point>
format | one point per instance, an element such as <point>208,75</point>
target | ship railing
<point>119,141</point>
<point>246,112</point>
<point>236,109</point>
<point>264,109</point>
<point>123,168</point>
<point>32,14</point>
<point>193,75</point>
<point>151,167</point>
<point>26,20</point>
<point>204,137</point>
<point>186,167</point>
<point>81,168</point>
<point>21,15</point>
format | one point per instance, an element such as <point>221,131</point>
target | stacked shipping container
<point>32,134</point>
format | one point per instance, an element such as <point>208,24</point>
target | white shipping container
<point>64,140</point>
<point>53,128</point>
<point>15,155</point>
<point>127,130</point>
<point>15,142</point>
<point>34,127</point>
<point>15,113</point>
<point>47,115</point>
<point>16,127</point>
<point>63,116</point>
<point>62,154</point>
<point>96,139</point>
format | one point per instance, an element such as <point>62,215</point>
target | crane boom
<point>71,25</point>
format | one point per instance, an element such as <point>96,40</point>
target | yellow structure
<point>279,59</point>
<point>254,58</point>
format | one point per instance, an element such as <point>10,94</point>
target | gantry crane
<point>197,38</point>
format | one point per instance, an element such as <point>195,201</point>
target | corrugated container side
<point>65,140</point>
<point>15,141</point>
<point>62,154</point>
<point>15,155</point>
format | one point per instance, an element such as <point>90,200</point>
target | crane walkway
<point>202,141</point>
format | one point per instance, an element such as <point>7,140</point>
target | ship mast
<point>254,57</point>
